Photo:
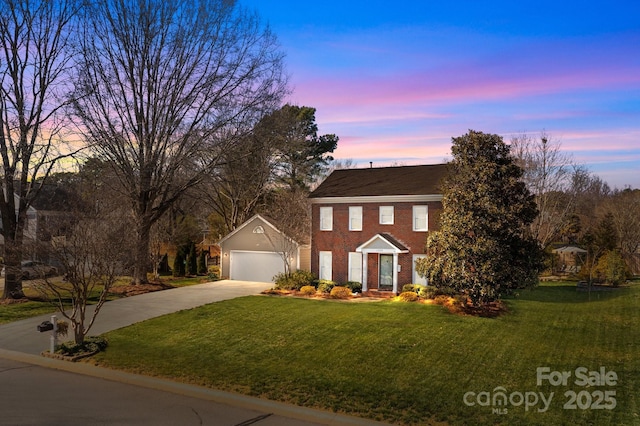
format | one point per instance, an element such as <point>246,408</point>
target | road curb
<point>228,398</point>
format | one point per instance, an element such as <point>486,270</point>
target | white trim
<point>377,199</point>
<point>391,249</point>
<point>362,248</point>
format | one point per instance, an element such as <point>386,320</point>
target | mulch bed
<point>133,290</point>
<point>13,301</point>
<point>490,310</point>
<point>71,358</point>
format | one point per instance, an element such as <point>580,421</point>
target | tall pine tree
<point>483,248</point>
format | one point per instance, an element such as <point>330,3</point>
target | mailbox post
<point>53,326</point>
<point>54,334</point>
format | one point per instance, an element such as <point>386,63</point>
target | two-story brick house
<point>370,225</point>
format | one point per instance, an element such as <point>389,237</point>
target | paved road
<point>35,395</point>
<point>41,391</point>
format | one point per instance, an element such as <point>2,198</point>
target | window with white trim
<point>420,218</point>
<point>355,218</point>
<point>355,267</point>
<point>325,269</point>
<point>326,218</point>
<point>386,215</point>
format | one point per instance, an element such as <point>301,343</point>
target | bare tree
<point>292,215</point>
<point>161,85</point>
<point>624,207</point>
<point>34,66</point>
<point>238,186</point>
<point>92,258</point>
<point>548,175</point>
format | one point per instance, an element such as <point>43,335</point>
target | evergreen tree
<point>202,263</point>
<point>179,263</point>
<point>192,260</point>
<point>483,248</point>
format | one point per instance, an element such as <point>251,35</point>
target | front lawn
<point>405,363</point>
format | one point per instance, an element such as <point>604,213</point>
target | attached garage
<point>254,266</point>
<point>256,250</point>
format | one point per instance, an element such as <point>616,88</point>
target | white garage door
<point>255,266</point>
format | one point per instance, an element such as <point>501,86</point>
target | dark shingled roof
<point>383,181</point>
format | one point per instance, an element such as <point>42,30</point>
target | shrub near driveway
<point>404,363</point>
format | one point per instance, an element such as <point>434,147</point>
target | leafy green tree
<point>483,248</point>
<point>302,155</point>
<point>612,268</point>
<point>598,241</point>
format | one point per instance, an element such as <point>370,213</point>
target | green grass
<point>398,362</point>
<point>19,311</point>
<point>36,306</point>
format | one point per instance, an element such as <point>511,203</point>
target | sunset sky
<point>397,80</point>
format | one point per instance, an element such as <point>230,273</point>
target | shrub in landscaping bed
<point>308,290</point>
<point>428,292</point>
<point>412,287</point>
<point>339,292</point>
<point>441,300</point>
<point>293,281</point>
<point>354,286</point>
<point>213,272</point>
<point>325,286</point>
<point>91,344</point>
<point>408,296</point>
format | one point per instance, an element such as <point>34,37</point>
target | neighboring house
<point>257,251</point>
<point>31,225</point>
<point>370,225</point>
<point>47,217</point>
<point>570,259</point>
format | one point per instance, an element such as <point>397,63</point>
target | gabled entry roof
<point>382,243</point>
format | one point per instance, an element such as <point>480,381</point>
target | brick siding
<point>340,241</point>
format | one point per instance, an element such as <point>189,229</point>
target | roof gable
<point>382,243</point>
<point>382,181</point>
<point>258,221</point>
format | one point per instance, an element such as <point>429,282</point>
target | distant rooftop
<point>382,181</point>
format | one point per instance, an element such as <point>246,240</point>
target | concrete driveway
<point>22,336</point>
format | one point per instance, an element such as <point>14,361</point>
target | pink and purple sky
<point>397,80</point>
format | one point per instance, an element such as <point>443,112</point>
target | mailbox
<point>45,326</point>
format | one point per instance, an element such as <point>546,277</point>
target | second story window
<point>355,218</point>
<point>386,215</point>
<point>420,218</point>
<point>326,218</point>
